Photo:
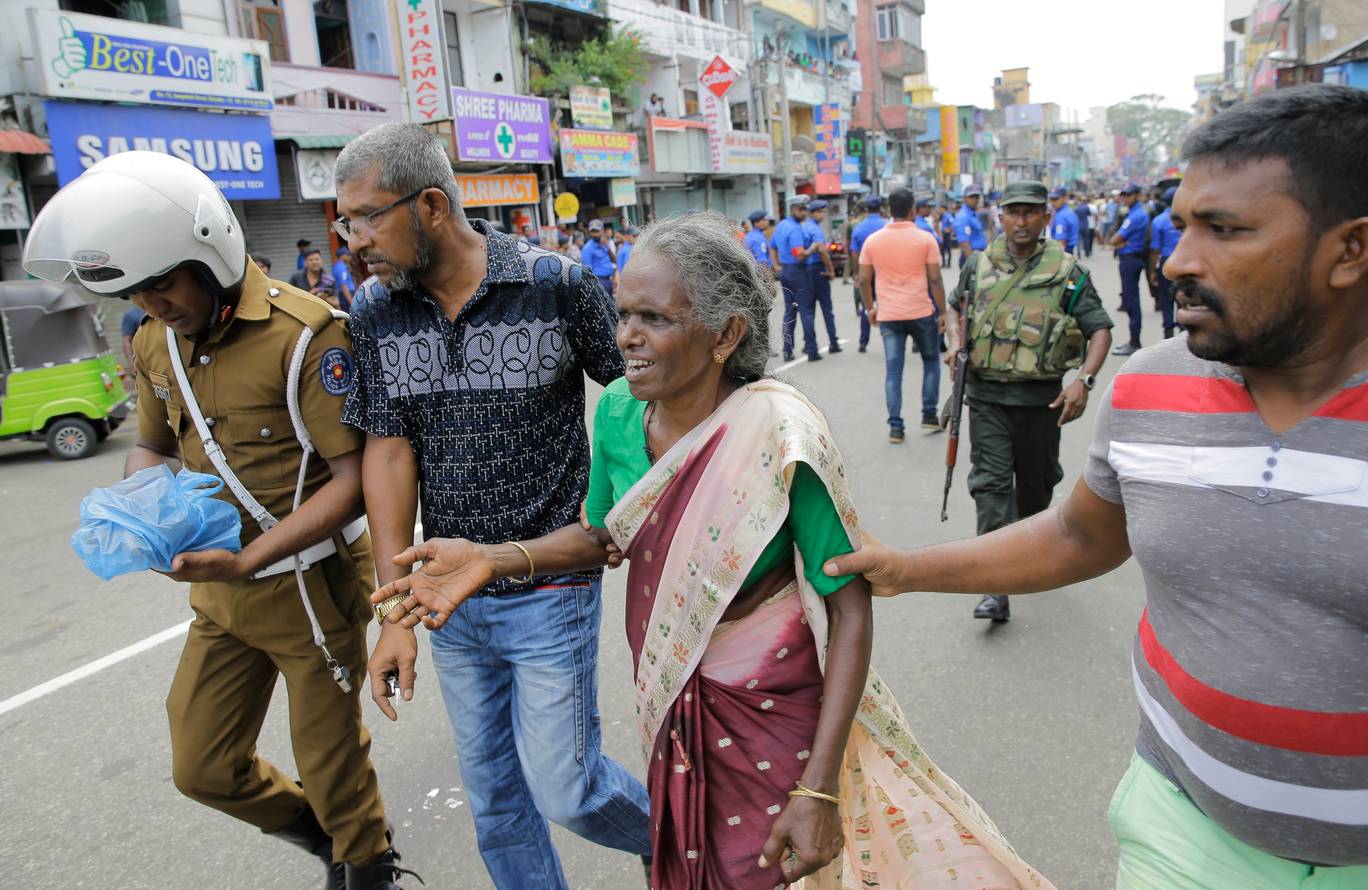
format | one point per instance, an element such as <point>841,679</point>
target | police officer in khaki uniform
<point>1034,315</point>
<point>295,600</point>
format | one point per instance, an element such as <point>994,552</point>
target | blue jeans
<point>1132,267</point>
<point>798,303</point>
<point>519,677</point>
<point>821,298</point>
<point>864,317</point>
<point>926,337</point>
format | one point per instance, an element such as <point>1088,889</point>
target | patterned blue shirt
<point>492,403</point>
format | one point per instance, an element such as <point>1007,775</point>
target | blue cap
<point>1131,189</point>
<point>1059,192</point>
<point>756,216</point>
<point>995,195</point>
<point>873,202</point>
<point>819,204</point>
<point>973,191</point>
<point>1169,193</point>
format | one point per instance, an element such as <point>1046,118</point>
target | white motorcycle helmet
<point>133,218</point>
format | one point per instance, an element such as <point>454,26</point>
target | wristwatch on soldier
<point>1088,380</point>
<point>383,609</point>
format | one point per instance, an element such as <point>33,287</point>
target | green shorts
<point>1168,844</point>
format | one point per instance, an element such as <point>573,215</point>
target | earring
<point>718,358</point>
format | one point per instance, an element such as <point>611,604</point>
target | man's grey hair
<point>407,157</point>
<point>721,279</point>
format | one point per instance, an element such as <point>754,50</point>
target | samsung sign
<point>235,150</point>
<point>94,57</point>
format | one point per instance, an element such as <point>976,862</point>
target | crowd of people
<point>1228,462</point>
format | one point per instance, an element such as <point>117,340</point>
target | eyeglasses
<point>344,226</point>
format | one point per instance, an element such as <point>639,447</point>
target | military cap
<point>1131,189</point>
<point>756,216</point>
<point>972,191</point>
<point>923,201</point>
<point>873,202</point>
<point>596,225</point>
<point>819,204</point>
<point>1028,191</point>
<point>797,201</point>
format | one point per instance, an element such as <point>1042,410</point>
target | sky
<point>1081,52</point>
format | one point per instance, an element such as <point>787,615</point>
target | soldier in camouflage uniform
<point>1033,316</point>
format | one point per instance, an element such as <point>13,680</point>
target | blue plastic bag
<point>144,521</point>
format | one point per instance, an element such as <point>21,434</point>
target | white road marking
<point>798,361</point>
<point>93,667</point>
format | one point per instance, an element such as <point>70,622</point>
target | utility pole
<point>1299,22</point>
<point>781,43</point>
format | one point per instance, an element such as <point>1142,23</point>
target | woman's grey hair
<point>721,279</point>
<point>407,157</point>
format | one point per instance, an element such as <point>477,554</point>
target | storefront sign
<point>829,136</point>
<point>718,77</point>
<point>622,192</point>
<point>718,118</point>
<point>499,128</point>
<point>587,7</point>
<point>13,207</point>
<point>595,153</point>
<point>744,152</point>
<point>499,190</point>
<point>850,174</point>
<point>567,206</point>
<point>591,108</point>
<point>314,173</point>
<point>235,150</point>
<point>423,67</point>
<point>95,57</point>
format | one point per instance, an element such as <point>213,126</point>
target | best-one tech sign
<point>234,150</point>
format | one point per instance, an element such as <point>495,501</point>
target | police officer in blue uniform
<point>1064,225</point>
<point>821,269</point>
<point>756,241</point>
<point>873,221</point>
<point>1131,243</point>
<point>968,226</point>
<point>1163,242</point>
<point>793,246</point>
<point>596,257</point>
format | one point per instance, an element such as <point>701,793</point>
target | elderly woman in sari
<point>773,753</point>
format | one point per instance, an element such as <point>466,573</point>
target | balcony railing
<point>806,88</point>
<point>667,31</point>
<point>900,58</point>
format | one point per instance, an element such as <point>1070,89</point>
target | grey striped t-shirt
<point>1251,661</point>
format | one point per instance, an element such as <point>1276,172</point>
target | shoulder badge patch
<point>337,371</point>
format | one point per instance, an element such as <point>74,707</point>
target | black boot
<point>381,873</point>
<point>305,833</point>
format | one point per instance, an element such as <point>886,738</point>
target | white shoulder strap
<point>212,449</point>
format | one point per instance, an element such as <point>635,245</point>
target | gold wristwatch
<point>382,610</point>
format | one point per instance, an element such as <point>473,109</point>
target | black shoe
<point>994,608</point>
<point>305,833</point>
<point>788,356</point>
<point>864,348</point>
<point>1168,334</point>
<point>931,422</point>
<point>815,357</point>
<point>1127,349</point>
<point>896,435</point>
<point>381,873</point>
<point>834,349</point>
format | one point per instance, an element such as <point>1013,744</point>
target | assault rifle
<point>954,409</point>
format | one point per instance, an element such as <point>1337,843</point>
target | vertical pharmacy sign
<point>716,79</point>
<point>423,62</point>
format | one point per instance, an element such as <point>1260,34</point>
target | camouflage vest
<point>1020,324</point>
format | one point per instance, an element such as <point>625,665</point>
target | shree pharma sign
<point>93,57</point>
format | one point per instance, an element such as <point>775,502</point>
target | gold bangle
<point>383,609</point>
<point>804,791</point>
<point>531,566</point>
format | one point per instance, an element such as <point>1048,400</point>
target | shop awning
<point>316,141</point>
<point>22,143</point>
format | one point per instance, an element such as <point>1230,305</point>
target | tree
<point>1145,119</point>
<point>616,60</point>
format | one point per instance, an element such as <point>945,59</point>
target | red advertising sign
<point>718,77</point>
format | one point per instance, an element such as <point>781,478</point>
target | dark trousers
<point>1015,455</point>
<point>1132,267</point>
<point>1164,293</point>
<point>1087,236</point>
<point>864,318</point>
<point>606,282</point>
<point>947,249</point>
<point>798,303</point>
<point>821,298</point>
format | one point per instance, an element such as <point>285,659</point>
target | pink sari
<point>727,711</point>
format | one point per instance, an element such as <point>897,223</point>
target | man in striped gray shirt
<point>1233,464</point>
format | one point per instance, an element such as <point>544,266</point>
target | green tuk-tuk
<point>59,381</point>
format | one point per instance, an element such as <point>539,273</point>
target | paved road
<point>1034,718</point>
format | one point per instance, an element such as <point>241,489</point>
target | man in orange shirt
<point>907,263</point>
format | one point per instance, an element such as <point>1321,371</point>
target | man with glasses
<point>471,354</point>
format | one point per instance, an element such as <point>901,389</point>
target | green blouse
<point>619,462</point>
